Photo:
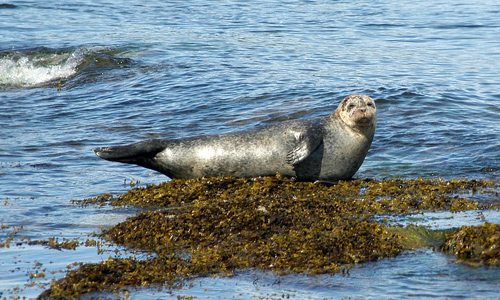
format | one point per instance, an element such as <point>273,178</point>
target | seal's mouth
<point>364,121</point>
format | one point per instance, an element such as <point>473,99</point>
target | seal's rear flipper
<point>142,154</point>
<point>132,154</point>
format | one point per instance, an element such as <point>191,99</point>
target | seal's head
<point>358,112</point>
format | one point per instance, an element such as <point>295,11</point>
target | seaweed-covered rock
<point>475,244</point>
<point>209,226</point>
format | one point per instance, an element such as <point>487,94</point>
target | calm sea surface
<point>75,75</point>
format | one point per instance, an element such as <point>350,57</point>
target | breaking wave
<point>44,66</point>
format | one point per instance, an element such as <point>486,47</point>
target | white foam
<point>24,70</point>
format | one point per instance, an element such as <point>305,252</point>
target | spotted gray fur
<point>330,148</point>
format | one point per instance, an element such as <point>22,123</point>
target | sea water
<point>75,75</point>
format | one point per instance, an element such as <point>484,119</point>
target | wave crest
<point>44,66</point>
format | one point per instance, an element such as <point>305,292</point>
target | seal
<point>329,148</point>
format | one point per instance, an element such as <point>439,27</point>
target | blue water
<point>75,75</point>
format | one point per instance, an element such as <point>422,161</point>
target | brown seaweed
<point>216,226</point>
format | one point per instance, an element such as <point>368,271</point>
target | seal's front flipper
<point>306,143</point>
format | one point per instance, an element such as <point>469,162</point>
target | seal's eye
<point>371,104</point>
<point>351,106</point>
